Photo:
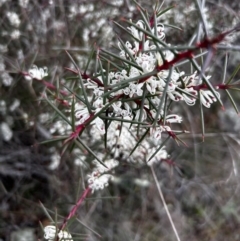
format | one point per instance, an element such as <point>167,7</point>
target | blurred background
<point>201,188</point>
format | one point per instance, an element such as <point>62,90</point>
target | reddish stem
<point>81,127</point>
<point>184,55</point>
<point>75,208</point>
<point>86,76</point>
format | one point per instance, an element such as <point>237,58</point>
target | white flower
<point>160,31</point>
<point>15,34</point>
<point>120,111</point>
<point>143,117</point>
<point>98,104</point>
<point>64,235</point>
<point>175,95</point>
<point>97,182</point>
<point>173,119</point>
<point>167,55</point>
<point>98,91</point>
<point>118,76</point>
<point>90,84</point>
<point>44,117</point>
<point>5,132</point>
<point>159,59</point>
<point>207,97</point>
<point>50,233</point>
<point>117,107</point>
<point>38,73</point>
<point>128,110</point>
<point>133,89</point>
<point>55,161</point>
<point>123,54</point>
<point>170,88</point>
<point>61,127</point>
<point>190,100</point>
<point>82,114</point>
<point>13,19</point>
<point>134,72</point>
<point>146,61</point>
<point>157,131</point>
<point>191,80</point>
<point>139,90</point>
<point>135,32</point>
<point>99,124</point>
<point>152,84</point>
<point>154,114</point>
<point>161,154</point>
<point>111,164</point>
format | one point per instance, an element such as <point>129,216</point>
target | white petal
<point>100,125</point>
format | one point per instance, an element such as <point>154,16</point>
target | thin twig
<point>75,208</point>
<point>164,203</point>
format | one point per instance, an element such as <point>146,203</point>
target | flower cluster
<point>147,58</point>
<point>137,94</point>
<point>143,83</point>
